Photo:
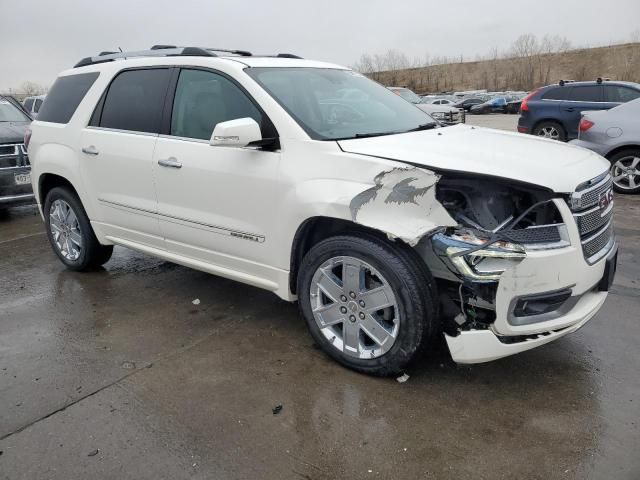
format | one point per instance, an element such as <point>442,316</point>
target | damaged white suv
<point>309,180</point>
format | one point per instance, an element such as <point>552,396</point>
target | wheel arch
<point>621,148</point>
<point>49,181</point>
<point>316,229</point>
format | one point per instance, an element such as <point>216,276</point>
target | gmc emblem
<point>606,198</point>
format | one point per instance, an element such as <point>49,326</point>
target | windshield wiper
<point>374,134</point>
<point>424,126</point>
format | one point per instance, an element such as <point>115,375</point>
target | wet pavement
<point>117,374</point>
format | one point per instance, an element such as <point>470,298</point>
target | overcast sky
<point>39,38</point>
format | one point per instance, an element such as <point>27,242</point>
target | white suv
<point>314,182</point>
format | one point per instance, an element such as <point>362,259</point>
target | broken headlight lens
<point>486,264</point>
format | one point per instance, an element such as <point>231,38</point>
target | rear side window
<point>619,94</point>
<point>65,96</point>
<point>28,103</point>
<point>38,104</point>
<point>135,100</point>
<point>559,93</point>
<point>586,93</point>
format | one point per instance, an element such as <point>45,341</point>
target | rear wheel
<point>551,130</point>
<point>70,232</point>
<point>625,170</point>
<point>367,303</point>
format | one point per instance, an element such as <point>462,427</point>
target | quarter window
<point>203,99</point>
<point>64,97</point>
<point>28,104</point>
<point>135,100</point>
<point>37,105</point>
<point>618,94</point>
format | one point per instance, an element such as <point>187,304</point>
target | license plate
<point>22,178</point>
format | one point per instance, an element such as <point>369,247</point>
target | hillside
<point>620,62</point>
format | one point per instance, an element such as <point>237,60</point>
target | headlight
<point>486,264</point>
<point>438,115</point>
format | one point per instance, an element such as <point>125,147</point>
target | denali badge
<point>606,198</point>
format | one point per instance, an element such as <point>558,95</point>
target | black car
<point>467,103</point>
<point>15,170</point>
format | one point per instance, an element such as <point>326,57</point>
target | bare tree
<point>30,89</point>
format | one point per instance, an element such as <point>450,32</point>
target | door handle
<point>90,150</point>
<point>569,109</point>
<point>170,162</point>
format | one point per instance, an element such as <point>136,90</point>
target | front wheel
<point>70,232</point>
<point>625,170</point>
<point>367,303</point>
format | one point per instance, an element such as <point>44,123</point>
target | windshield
<point>332,104</point>
<point>9,113</point>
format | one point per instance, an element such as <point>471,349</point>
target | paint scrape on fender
<point>402,203</point>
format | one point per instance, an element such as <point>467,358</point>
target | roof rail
<point>287,55</point>
<point>166,51</point>
<point>563,82</point>
<point>155,51</point>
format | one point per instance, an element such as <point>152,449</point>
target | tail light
<point>524,106</point>
<point>27,138</point>
<point>585,125</point>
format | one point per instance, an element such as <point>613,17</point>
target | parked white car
<point>33,104</point>
<point>309,180</point>
<point>445,114</point>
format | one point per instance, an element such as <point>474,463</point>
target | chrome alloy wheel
<point>65,230</point>
<point>549,132</point>
<point>354,307</point>
<point>626,172</point>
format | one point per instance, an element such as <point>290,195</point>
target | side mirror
<point>236,133</point>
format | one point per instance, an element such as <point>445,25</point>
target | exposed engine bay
<point>498,223</point>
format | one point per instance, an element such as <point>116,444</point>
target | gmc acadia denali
<point>314,182</point>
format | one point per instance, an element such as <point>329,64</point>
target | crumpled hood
<point>12,132</point>
<point>547,163</point>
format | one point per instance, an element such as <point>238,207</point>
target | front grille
<point>13,155</point>
<point>594,244</point>
<point>590,195</point>
<point>543,234</point>
<point>594,217</point>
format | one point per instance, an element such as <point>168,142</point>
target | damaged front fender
<point>403,204</point>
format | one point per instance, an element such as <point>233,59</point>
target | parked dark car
<point>15,170</point>
<point>495,105</point>
<point>467,103</point>
<point>513,106</point>
<point>554,111</point>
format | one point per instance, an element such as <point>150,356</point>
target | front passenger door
<point>216,203</point>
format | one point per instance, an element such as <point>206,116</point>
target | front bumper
<point>541,272</point>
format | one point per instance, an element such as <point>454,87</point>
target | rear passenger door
<point>117,154</point>
<point>581,98</point>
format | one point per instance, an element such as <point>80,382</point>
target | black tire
<point>412,286</point>
<point>92,253</point>
<point>538,130</point>
<point>621,155</point>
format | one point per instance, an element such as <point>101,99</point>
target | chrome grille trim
<point>592,219</point>
<point>589,197</point>
<point>594,225</point>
